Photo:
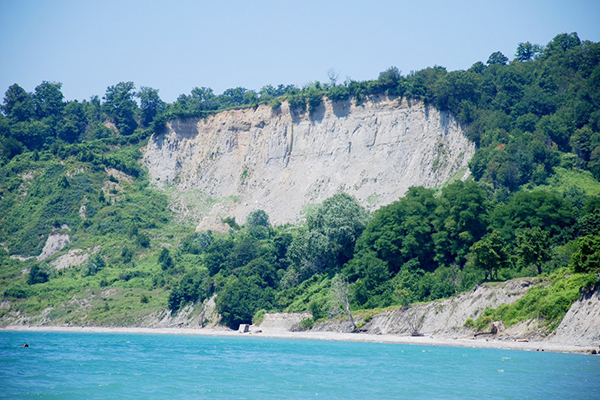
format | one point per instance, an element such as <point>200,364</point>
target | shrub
<point>586,257</point>
<point>306,324</point>
<point>259,317</point>
<point>37,275</point>
<point>297,102</point>
<point>94,265</point>
<point>143,240</point>
<point>275,104</point>
<point>17,292</point>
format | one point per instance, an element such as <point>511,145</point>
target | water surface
<point>60,365</point>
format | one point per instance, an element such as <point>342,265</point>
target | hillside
<point>346,198</point>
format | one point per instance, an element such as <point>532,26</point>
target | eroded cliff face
<point>581,325</point>
<point>282,161</point>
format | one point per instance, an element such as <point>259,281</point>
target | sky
<point>177,45</point>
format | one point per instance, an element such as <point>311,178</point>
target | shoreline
<point>329,336</point>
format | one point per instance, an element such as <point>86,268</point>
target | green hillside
<point>531,208</point>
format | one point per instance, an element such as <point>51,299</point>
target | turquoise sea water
<point>137,366</point>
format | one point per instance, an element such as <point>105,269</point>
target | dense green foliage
<point>533,207</point>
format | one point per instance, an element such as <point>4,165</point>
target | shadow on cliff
<point>341,109</point>
<point>186,128</point>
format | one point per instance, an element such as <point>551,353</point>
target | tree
<point>258,218</point>
<point>332,228</point>
<point>150,104</point>
<point>497,58</point>
<point>94,265</point>
<point>456,88</point>
<point>527,51</point>
<point>165,259</point>
<point>390,80</point>
<point>18,104</point>
<point>461,220</point>
<point>488,254</point>
<point>197,243</point>
<point>73,125</point>
<point>120,106</point>
<point>537,208</point>
<point>240,299</point>
<point>37,275</point>
<point>333,76</point>
<point>340,298</point>
<point>586,257</point>
<point>258,224</point>
<point>562,42</point>
<point>48,100</point>
<point>232,97</point>
<point>533,247</point>
<point>402,231</point>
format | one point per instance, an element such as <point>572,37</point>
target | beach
<point>332,336</point>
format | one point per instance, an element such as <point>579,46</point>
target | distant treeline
<point>527,116</point>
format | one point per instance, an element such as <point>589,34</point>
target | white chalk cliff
<point>282,161</point>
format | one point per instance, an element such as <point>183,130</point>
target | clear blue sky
<point>175,45</point>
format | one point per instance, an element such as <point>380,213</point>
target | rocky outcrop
<point>56,242</point>
<point>281,160</point>
<point>581,324</point>
<point>278,322</point>
<point>72,258</point>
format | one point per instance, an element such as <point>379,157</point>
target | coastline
<point>330,336</point>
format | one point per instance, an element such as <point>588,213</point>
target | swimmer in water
<point>25,345</point>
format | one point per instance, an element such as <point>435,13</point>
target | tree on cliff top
<point>120,106</point>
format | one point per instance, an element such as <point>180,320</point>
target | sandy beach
<point>334,336</point>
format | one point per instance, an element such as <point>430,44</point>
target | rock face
<point>581,324</point>
<point>282,322</point>
<point>443,318</point>
<point>282,161</point>
<point>55,243</point>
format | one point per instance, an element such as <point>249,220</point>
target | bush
<point>306,324</point>
<point>586,257</point>
<point>37,275</point>
<point>143,240</point>
<point>94,265</point>
<point>297,102</point>
<point>17,292</point>
<point>259,317</point>
<point>275,104</point>
<point>318,308</point>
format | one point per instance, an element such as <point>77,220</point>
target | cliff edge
<point>281,160</point>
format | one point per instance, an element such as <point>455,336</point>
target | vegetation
<point>532,207</point>
<point>548,303</point>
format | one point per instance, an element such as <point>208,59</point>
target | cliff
<point>443,318</point>
<point>281,160</point>
<point>446,319</point>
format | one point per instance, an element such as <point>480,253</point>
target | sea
<point>65,365</point>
